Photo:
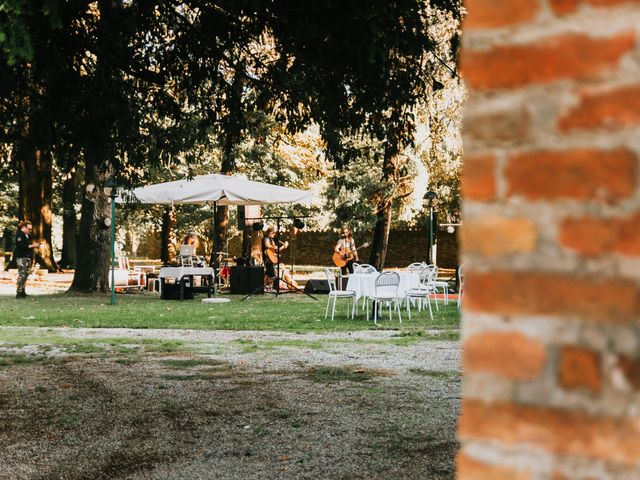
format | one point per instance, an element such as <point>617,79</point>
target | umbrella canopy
<point>223,189</point>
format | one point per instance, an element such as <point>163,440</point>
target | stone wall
<point>551,244</point>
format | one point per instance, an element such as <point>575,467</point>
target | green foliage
<point>157,91</point>
<point>358,69</point>
<point>8,206</point>
<point>16,43</point>
<point>359,187</point>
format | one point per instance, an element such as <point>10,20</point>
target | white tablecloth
<point>364,284</point>
<point>179,272</point>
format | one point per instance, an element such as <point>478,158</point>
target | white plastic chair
<point>422,293</point>
<point>386,291</point>
<point>460,284</point>
<point>334,294</point>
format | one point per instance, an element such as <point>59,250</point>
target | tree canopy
<point>132,89</point>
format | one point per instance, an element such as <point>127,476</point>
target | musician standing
<point>270,252</point>
<point>346,247</point>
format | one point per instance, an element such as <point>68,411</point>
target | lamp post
<point>110,188</point>
<point>430,197</point>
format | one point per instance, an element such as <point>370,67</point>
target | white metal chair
<point>439,285</point>
<point>364,268</point>
<point>127,278</point>
<point>334,294</point>
<point>416,267</point>
<point>422,293</point>
<point>386,291</point>
<point>460,284</point>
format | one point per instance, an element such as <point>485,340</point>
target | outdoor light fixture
<point>430,196</point>
<point>299,224</point>
<point>110,185</point>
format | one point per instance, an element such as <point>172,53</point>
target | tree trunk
<point>383,222</point>
<point>232,137</point>
<point>222,229</point>
<point>9,235</point>
<point>381,237</point>
<point>167,249</point>
<point>101,137</point>
<point>69,221</point>
<point>93,258</point>
<point>35,196</point>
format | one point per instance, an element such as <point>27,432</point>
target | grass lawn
<point>289,313</point>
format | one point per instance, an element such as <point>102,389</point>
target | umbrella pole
<point>214,259</point>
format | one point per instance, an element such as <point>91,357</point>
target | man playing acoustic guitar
<point>270,256</point>
<point>346,248</point>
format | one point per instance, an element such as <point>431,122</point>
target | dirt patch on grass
<point>154,416</point>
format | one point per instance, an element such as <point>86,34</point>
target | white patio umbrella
<point>216,188</point>
<point>221,189</point>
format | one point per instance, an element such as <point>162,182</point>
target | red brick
<point>562,7</point>
<point>580,368</point>
<point>496,129</point>
<point>563,432</point>
<point>573,174</point>
<point>498,13</point>
<point>478,178</point>
<point>493,235</point>
<point>630,368</point>
<point>549,60</point>
<point>615,109</point>
<point>468,468</point>
<point>609,300</point>
<point>507,354</point>
<point>601,236</point>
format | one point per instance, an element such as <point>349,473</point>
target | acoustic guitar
<point>274,255</point>
<point>345,255</point>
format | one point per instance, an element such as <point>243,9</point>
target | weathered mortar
<point>551,245</point>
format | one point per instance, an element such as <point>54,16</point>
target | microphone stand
<point>277,278</point>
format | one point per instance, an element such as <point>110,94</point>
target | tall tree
<point>154,72</point>
<point>357,67</point>
<point>32,88</point>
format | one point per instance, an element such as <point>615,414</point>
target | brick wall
<point>316,248</point>
<point>551,337</point>
<point>405,247</point>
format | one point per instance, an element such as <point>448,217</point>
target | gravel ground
<point>228,405</point>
